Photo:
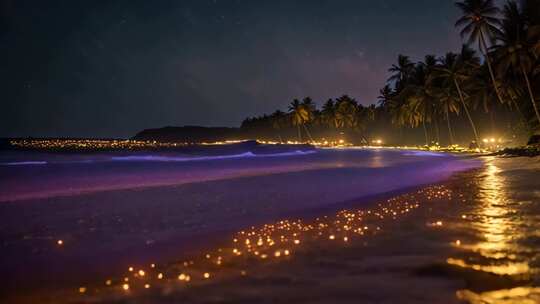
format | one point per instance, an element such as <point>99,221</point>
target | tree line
<point>501,76</point>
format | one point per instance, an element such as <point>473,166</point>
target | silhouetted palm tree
<point>453,71</point>
<point>480,22</point>
<point>297,116</point>
<point>401,71</point>
<point>308,108</point>
<point>278,120</point>
<point>328,114</point>
<point>516,54</point>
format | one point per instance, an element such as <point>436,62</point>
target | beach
<point>451,233</point>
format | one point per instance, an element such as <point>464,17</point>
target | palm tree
<point>452,71</point>
<point>516,54</point>
<point>308,108</point>
<point>385,95</point>
<point>296,109</point>
<point>278,119</point>
<point>346,109</point>
<point>328,114</point>
<point>480,22</point>
<point>447,103</point>
<point>401,71</point>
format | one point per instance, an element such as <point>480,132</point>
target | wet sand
<point>473,238</point>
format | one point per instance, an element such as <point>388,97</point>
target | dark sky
<point>111,68</point>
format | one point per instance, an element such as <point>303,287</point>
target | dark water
<point>111,210</point>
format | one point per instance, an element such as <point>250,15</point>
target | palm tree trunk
<point>437,131</point>
<point>425,132</point>
<point>299,134</point>
<point>450,135</point>
<point>467,112</point>
<point>530,92</point>
<point>307,132</point>
<point>521,115</point>
<point>483,49</point>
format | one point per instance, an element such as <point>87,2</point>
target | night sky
<point>112,68</point>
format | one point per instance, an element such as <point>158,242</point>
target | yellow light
<point>60,242</point>
<point>125,286</point>
<point>82,289</point>
<point>182,277</point>
<point>345,239</point>
<point>141,273</point>
<point>277,254</point>
<point>332,237</point>
<point>458,242</point>
<point>153,265</point>
<point>108,282</point>
<point>286,252</point>
<point>130,269</point>
<point>146,286</point>
<point>160,276</point>
<point>206,275</point>
<point>297,242</point>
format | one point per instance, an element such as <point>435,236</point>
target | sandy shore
<point>473,238</point>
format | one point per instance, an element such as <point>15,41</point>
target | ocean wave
<point>424,153</point>
<point>159,158</point>
<point>24,163</point>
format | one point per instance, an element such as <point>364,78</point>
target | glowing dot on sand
<point>82,289</point>
<point>160,276</point>
<point>108,282</point>
<point>345,239</point>
<point>438,223</point>
<point>458,242</point>
<point>206,275</point>
<point>286,252</point>
<point>277,254</point>
<point>332,237</point>
<point>188,278</point>
<point>463,216</point>
<point>125,286</point>
<point>297,242</point>
<point>182,277</point>
<point>146,286</point>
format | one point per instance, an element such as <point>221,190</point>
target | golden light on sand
<point>125,286</point>
<point>206,275</point>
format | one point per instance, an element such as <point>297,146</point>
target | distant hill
<point>191,134</point>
